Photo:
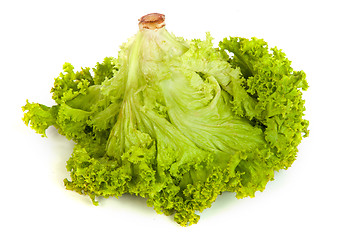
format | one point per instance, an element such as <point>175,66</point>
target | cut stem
<point>152,21</point>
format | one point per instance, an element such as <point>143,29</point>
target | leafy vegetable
<point>177,122</point>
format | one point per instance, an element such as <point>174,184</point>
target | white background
<point>317,198</point>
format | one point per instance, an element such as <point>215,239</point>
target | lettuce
<point>176,121</point>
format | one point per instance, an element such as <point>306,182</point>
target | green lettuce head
<point>177,122</point>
